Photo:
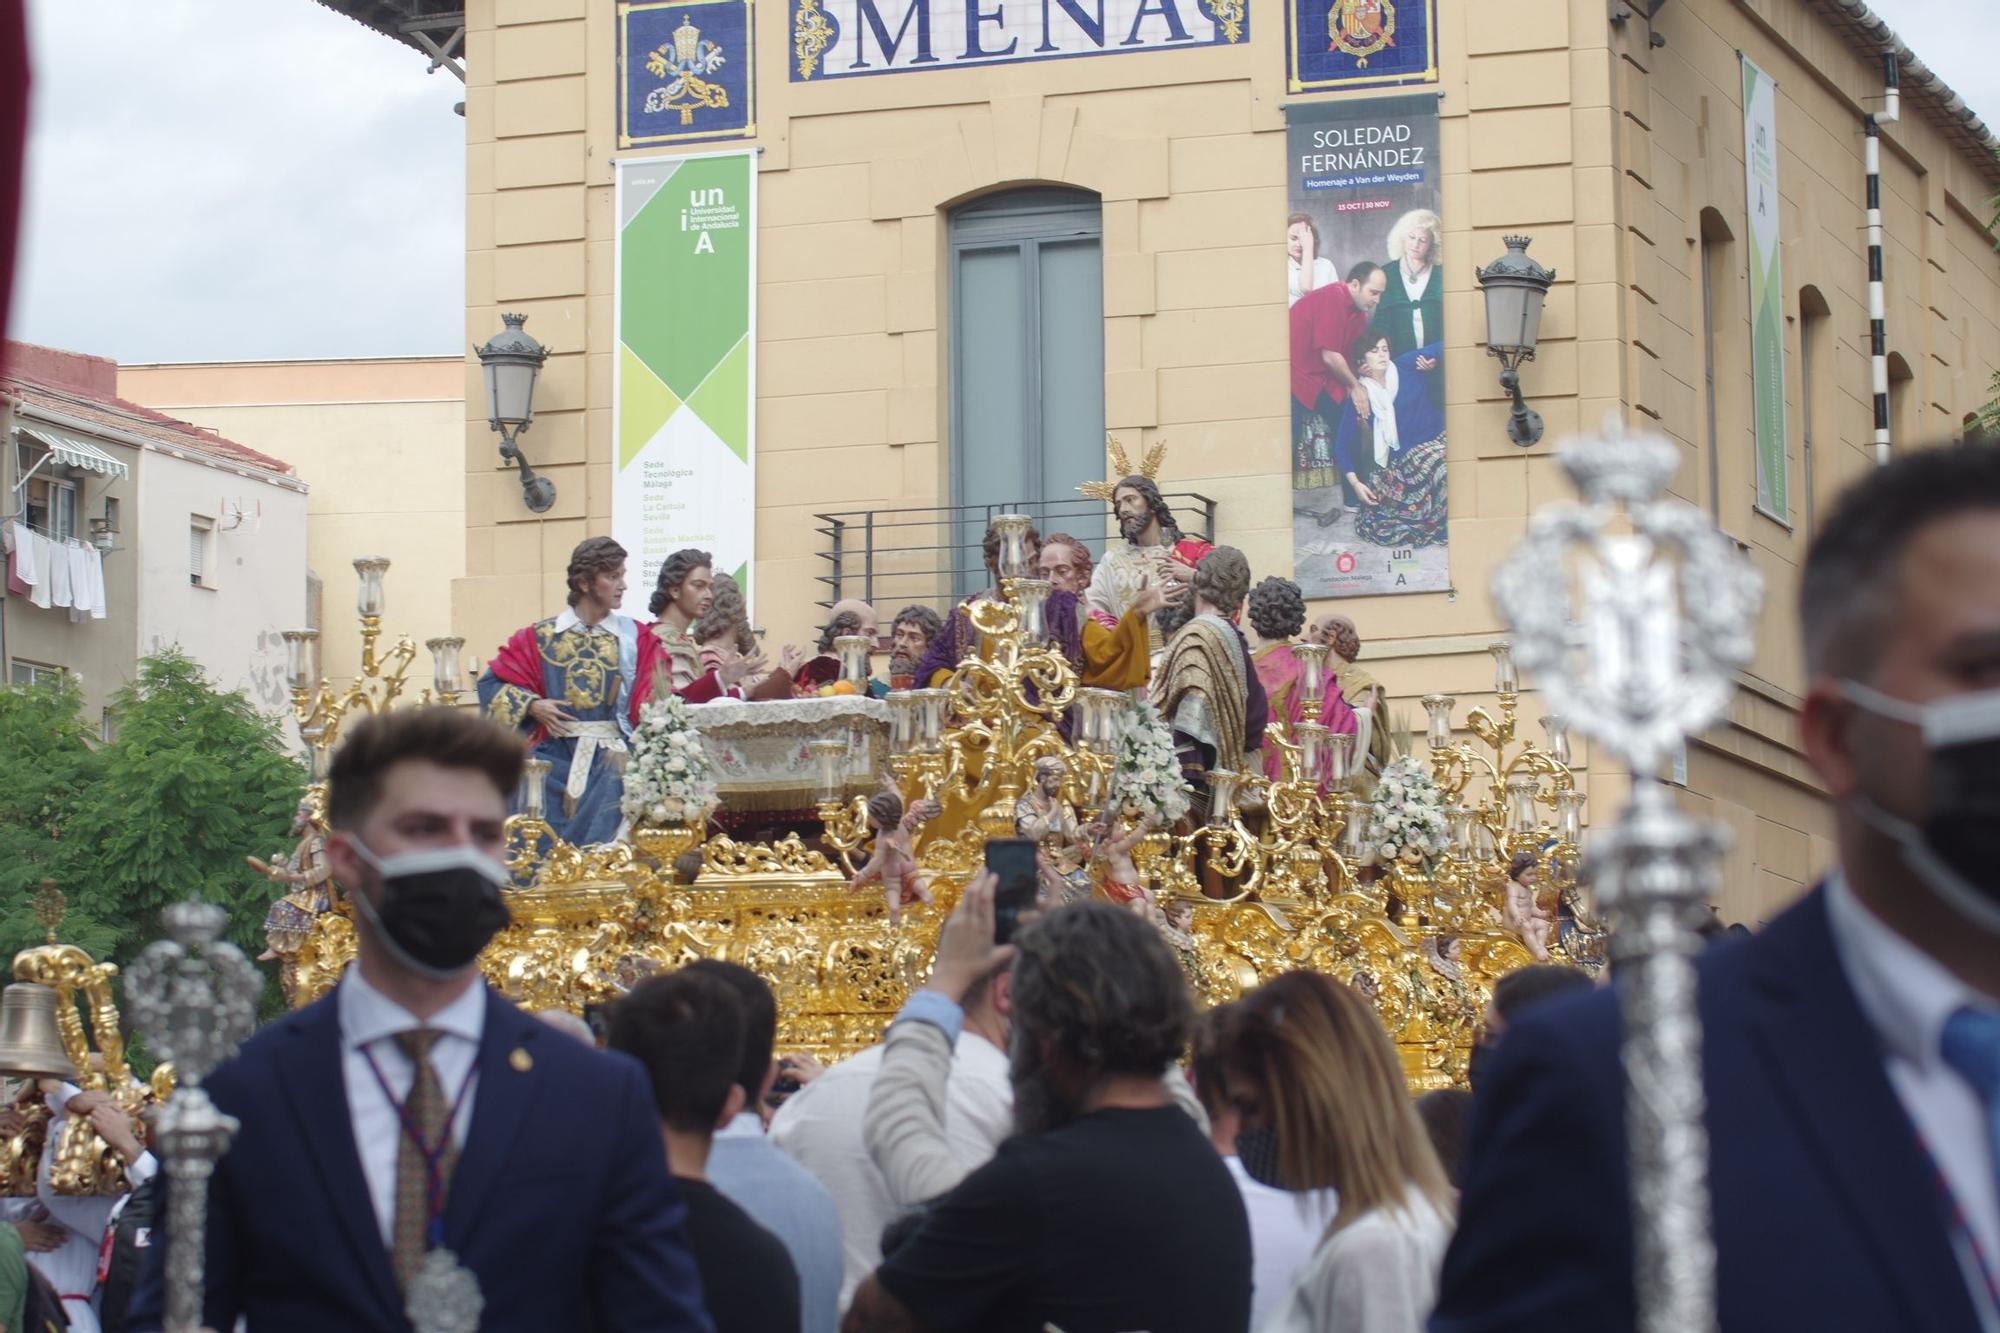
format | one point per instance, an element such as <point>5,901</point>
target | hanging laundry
<point>40,553</point>
<point>96,558</point>
<point>25,547</point>
<point>59,581</point>
<point>78,557</point>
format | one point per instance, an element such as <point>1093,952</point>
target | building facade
<point>380,443</point>
<point>200,540</point>
<point>924,178</point>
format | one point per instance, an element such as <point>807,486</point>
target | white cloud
<point>213,179</point>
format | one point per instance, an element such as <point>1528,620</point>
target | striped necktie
<point>425,1114</point>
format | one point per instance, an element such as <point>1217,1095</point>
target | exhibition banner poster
<point>683,388</point>
<point>1363,243</point>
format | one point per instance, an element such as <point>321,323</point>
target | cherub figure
<point>894,863</point>
<point>1120,880</point>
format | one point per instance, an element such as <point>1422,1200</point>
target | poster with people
<point>1363,244</point>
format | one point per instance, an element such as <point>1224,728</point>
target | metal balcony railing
<point>892,557</point>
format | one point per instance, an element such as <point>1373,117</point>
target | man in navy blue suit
<point>1851,1052</point>
<point>414,1115</point>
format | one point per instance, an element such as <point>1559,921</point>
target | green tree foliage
<point>195,779</point>
<point>47,766</point>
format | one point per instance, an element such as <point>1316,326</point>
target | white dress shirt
<point>71,1267</point>
<point>1285,1229</point>
<point>1906,996</point>
<point>1378,1274</point>
<point>368,1021</point>
<point>820,1128</point>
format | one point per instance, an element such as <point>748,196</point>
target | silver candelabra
<point>1635,613</point>
<point>194,996</point>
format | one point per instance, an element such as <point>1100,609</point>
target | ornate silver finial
<point>1635,613</point>
<point>1663,612</point>
<point>443,1297</point>
<point>194,996</point>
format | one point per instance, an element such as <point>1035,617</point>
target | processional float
<point>1630,608</point>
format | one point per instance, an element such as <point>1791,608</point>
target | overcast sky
<point>240,179</point>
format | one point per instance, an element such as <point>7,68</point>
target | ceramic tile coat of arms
<point>1338,44</point>
<point>685,72</point>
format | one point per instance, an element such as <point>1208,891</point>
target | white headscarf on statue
<point>1382,412</point>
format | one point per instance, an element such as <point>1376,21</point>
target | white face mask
<point>1955,850</point>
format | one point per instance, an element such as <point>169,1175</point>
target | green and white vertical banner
<point>683,385</point>
<point>1767,289</point>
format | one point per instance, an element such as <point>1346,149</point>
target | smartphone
<point>1012,860</point>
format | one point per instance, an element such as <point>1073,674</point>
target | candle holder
<point>1032,595</point>
<point>1505,679</point>
<point>930,718</point>
<point>1013,530</point>
<point>1312,738</point>
<point>1438,709</point>
<point>1312,678</point>
<point>904,707</point>
<point>1339,759</point>
<point>852,649</point>
<point>828,768</point>
<point>299,653</point>
<point>369,598</point>
<point>445,676</point>
<point>1557,730</point>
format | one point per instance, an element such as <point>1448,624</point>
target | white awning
<point>75,451</point>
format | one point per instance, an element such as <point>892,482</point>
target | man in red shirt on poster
<point>1326,323</point>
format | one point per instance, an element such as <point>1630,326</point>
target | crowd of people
<point>1050,1137</point>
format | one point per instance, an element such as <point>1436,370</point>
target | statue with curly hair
<point>1153,553</point>
<point>1277,614</point>
<point>574,684</point>
<point>1205,687</point>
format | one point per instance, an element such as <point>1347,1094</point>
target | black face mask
<point>440,906</point>
<point>1257,1149</point>
<point>1956,848</point>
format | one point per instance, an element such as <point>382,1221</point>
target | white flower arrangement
<point>670,778</point>
<point>1406,819</point>
<point>1145,771</point>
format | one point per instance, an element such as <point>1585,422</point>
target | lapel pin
<point>521,1061</point>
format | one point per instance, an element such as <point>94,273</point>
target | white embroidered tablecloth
<point>760,747</point>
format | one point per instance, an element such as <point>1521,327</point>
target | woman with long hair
<point>1323,1105</point>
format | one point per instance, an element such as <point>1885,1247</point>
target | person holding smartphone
<point>1105,1173</point>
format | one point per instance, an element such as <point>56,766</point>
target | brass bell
<point>30,1046</point>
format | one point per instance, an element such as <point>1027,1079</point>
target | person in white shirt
<point>1285,1226</point>
<point>1322,1103</point>
<point>822,1128</point>
<point>71,1267</point>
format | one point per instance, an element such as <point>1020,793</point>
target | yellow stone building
<point>1615,139</point>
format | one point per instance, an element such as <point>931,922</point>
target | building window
<point>107,726</point>
<point>1903,421</point>
<point>1716,275</point>
<point>111,523</point>
<point>34,673</point>
<point>201,542</point>
<point>1027,358</point>
<point>1814,347</point>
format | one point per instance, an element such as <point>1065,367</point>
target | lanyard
<point>1955,1215</point>
<point>433,1154</point>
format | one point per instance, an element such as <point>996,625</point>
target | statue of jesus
<point>1153,551</point>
